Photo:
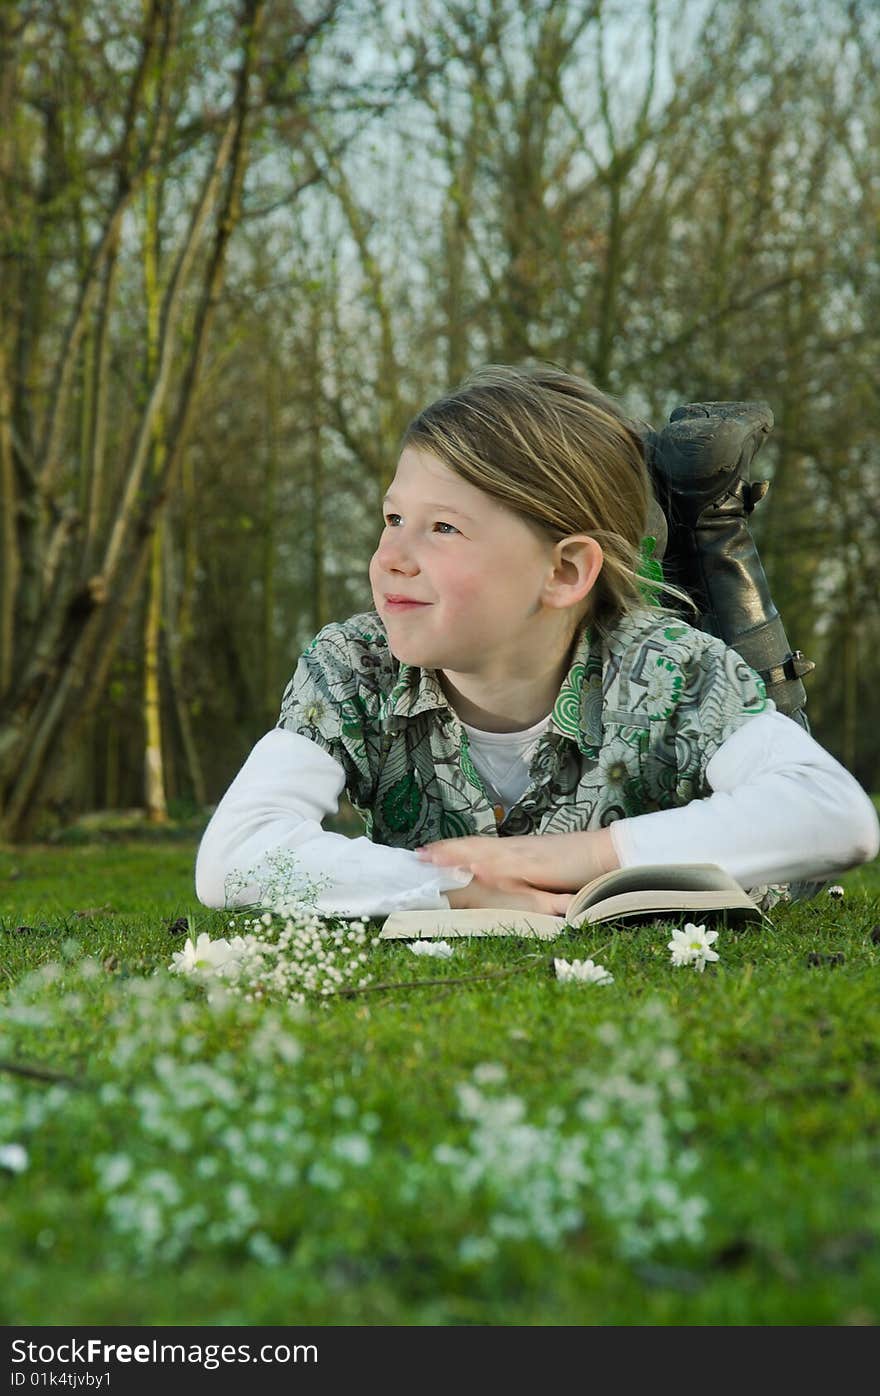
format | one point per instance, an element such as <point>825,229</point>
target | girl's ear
<point>577,562</point>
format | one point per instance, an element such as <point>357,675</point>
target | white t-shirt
<point>502,760</point>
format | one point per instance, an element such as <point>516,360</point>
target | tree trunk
<point>86,639</point>
<point>270,542</point>
<point>8,535</point>
<point>154,779</point>
<point>179,635</point>
<point>316,482</point>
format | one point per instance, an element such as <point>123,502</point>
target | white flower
<point>691,946</point>
<point>206,954</point>
<point>584,971</point>
<point>836,892</point>
<point>440,949</point>
<point>354,1148</point>
<point>114,1169</point>
<point>14,1157</point>
<point>489,1074</point>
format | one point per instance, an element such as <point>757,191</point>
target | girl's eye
<point>391,521</point>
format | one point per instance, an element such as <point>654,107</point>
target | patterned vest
<point>638,717</point>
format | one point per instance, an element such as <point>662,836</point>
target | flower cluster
<point>178,1133</point>
<point>278,883</point>
<point>200,1127</point>
<point>692,946</point>
<point>615,1156</point>
<point>289,956</point>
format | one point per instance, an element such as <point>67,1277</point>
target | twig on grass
<point>41,1073</point>
<point>428,983</point>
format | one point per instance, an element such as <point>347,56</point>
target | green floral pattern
<point>638,718</point>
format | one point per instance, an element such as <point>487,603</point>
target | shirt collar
<point>576,714</point>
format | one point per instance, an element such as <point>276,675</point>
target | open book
<point>650,890</point>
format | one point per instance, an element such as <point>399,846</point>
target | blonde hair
<point>562,456</point>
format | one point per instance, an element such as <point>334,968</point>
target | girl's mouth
<point>403,603</point>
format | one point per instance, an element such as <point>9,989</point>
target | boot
<point>699,464</point>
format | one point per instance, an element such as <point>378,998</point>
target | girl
<point>518,714</point>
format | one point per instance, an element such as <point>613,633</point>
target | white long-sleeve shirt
<point>782,809</point>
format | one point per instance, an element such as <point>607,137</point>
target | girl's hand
<point>553,862</point>
<point>524,898</point>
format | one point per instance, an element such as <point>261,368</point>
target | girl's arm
<point>782,809</point>
<point>271,816</point>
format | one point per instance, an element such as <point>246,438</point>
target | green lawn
<point>504,1150</point>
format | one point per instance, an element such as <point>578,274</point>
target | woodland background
<point>242,242</point>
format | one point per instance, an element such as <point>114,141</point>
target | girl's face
<point>475,569</point>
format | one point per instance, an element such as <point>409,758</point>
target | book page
<point>651,877</point>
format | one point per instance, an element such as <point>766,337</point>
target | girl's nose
<point>392,555</point>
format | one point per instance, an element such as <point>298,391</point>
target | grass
<point>778,1048</point>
